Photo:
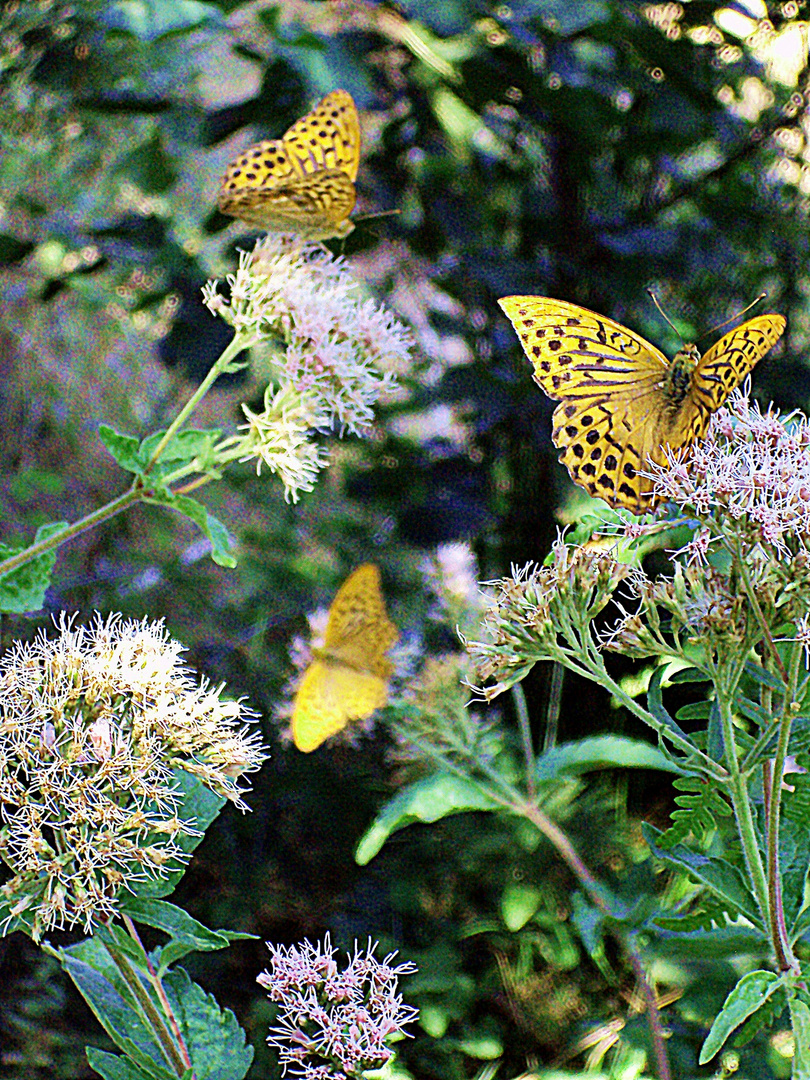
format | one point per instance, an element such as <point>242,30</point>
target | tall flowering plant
<point>732,618</point>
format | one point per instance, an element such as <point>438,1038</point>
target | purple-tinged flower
<point>334,1024</point>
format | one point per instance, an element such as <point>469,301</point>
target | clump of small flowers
<point>93,723</point>
<point>335,343</point>
<point>753,470</point>
<point>280,438</point>
<point>332,1023</point>
<point>543,613</point>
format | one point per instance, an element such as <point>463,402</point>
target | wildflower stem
<point>104,513</point>
<point>236,345</point>
<point>653,1015</point>
<point>519,699</point>
<point>178,1059</point>
<point>738,789</point>
<point>774,773</point>
<point>554,704</point>
<point>157,985</point>
<point>750,592</point>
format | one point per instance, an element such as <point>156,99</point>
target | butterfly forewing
<point>622,404</point>
<point>326,138</point>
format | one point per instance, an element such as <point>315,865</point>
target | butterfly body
<point>622,403</point>
<point>304,181</point>
<point>349,675</point>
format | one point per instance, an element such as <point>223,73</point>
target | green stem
<point>554,703</point>
<point>161,993</point>
<point>236,345</point>
<point>519,699</point>
<point>110,509</point>
<point>738,790</point>
<point>151,1015</point>
<point>779,936</point>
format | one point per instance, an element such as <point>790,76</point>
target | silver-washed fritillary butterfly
<point>622,403</point>
<point>349,677</point>
<point>304,181</point>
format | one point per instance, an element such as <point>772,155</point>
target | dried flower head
<point>93,723</point>
<point>335,342</point>
<point>332,1023</point>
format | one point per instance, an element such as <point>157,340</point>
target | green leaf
<point>149,20</point>
<point>425,801</point>
<point>187,935</point>
<point>216,1043</point>
<point>112,1066</point>
<point>760,675</point>
<point>518,903</point>
<point>715,942</point>
<point>800,1023</point>
<point>149,167</point>
<point>602,752</point>
<point>23,589</point>
<point>689,675</point>
<point>124,448</point>
<point>210,526</point>
<point>656,705</point>
<point>198,804</point>
<point>717,875</point>
<point>749,995</point>
<point>181,448</point>
<point>117,1009</point>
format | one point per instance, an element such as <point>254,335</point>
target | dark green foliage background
<point>568,149</point>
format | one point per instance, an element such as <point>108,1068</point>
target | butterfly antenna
<point>663,314</point>
<point>734,317</point>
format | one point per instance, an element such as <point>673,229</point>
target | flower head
<point>335,342</point>
<point>752,468</point>
<point>93,723</point>
<point>334,1024</point>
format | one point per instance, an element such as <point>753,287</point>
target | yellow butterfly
<point>304,181</point>
<point>348,679</point>
<point>622,403</point>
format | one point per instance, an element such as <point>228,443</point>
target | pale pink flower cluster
<point>336,343</point>
<point>754,467</point>
<point>334,1024</point>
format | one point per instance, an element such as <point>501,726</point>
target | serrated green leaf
<point>720,877</point>
<point>216,1043</point>
<point>715,942</point>
<point>601,752</point>
<point>426,801</point>
<point>186,933</point>
<point>750,994</point>
<point>23,589</point>
<point>210,526</point>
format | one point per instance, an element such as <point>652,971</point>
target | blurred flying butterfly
<point>622,403</point>
<point>304,181</point>
<point>349,676</point>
